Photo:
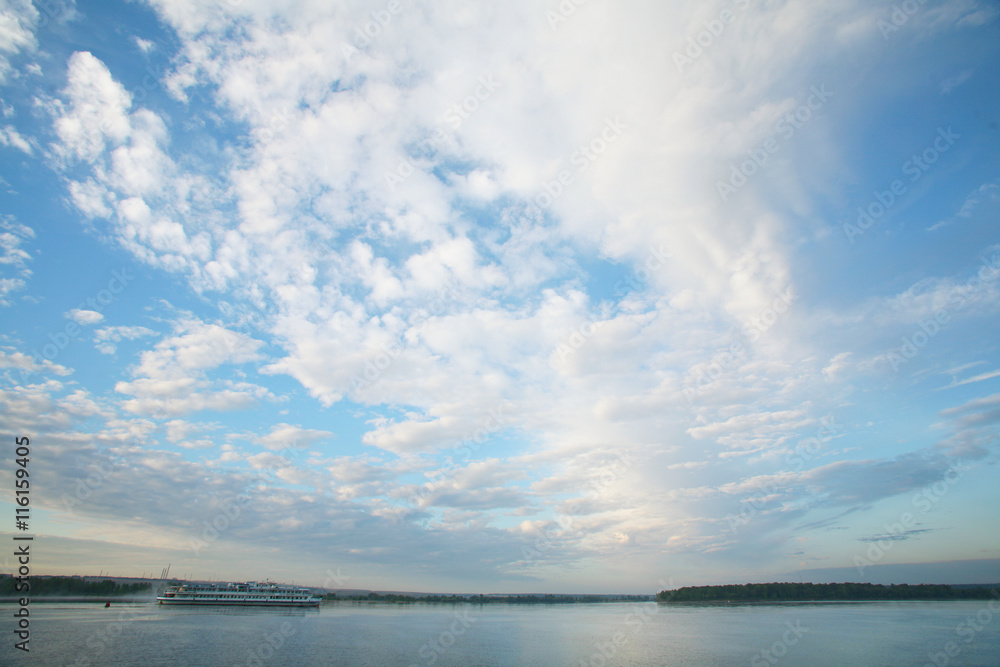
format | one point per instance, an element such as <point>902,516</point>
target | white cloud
<point>85,317</point>
<point>284,436</point>
<point>170,379</point>
<point>107,338</point>
<point>28,365</point>
<point>985,193</point>
<point>143,45</point>
<point>18,19</point>
<point>178,429</point>
<point>14,259</point>
<point>977,378</point>
<point>97,113</point>
<point>134,181</point>
<point>197,346</point>
<point>11,137</point>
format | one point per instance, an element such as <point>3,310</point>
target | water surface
<point>635,634</point>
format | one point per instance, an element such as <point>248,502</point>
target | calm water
<point>910,633</point>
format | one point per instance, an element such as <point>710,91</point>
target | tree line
<point>781,592</point>
<point>71,586</point>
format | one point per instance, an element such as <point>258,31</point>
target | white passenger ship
<point>250,593</point>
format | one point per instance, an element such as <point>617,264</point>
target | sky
<point>520,297</point>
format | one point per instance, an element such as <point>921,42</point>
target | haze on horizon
<point>559,297</point>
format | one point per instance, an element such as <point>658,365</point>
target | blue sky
<point>523,298</point>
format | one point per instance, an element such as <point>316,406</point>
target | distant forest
<point>782,592</point>
<point>486,599</point>
<point>71,586</point>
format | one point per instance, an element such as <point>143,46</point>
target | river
<point>941,634</point>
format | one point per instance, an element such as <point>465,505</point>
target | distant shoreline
<point>75,599</point>
<point>78,590</point>
<point>787,592</point>
<point>100,601</point>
